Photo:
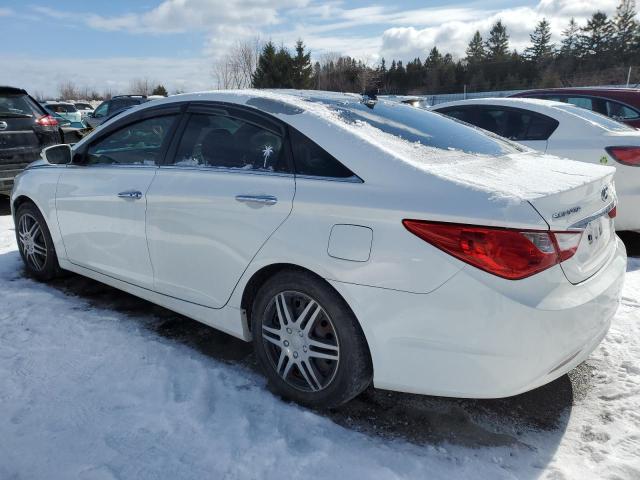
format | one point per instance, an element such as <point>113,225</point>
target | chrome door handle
<point>261,199</point>
<point>134,194</point>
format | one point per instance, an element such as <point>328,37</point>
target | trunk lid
<point>583,208</point>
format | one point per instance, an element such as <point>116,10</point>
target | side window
<point>101,111</point>
<point>464,114</point>
<point>582,102</point>
<point>495,120</point>
<point>619,111</point>
<point>218,140</point>
<point>139,143</point>
<point>524,125</point>
<point>311,159</point>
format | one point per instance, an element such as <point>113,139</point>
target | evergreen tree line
<point>596,53</point>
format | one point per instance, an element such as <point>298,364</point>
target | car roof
<point>7,90</point>
<point>530,103</point>
<point>583,90</point>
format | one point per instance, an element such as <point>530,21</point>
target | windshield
<point>595,118</point>
<point>83,106</point>
<point>418,125</point>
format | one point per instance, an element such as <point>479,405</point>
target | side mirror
<point>57,154</point>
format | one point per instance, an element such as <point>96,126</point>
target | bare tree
<point>235,69</point>
<point>142,86</point>
<point>67,90</point>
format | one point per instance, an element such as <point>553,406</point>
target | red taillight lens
<point>625,155</point>
<point>613,212</point>
<point>46,121</point>
<point>507,253</point>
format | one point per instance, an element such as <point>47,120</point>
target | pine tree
<point>301,69</point>
<point>541,48</point>
<point>263,76</point>
<point>625,27</point>
<point>160,90</point>
<point>570,39</point>
<point>434,59</point>
<point>498,42</point>
<point>475,50</point>
<point>597,36</point>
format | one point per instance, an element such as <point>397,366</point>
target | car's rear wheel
<point>35,243</point>
<point>308,342</point>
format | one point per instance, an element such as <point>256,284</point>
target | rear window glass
<point>419,125</point>
<point>596,119</point>
<point>312,160</point>
<point>18,105</point>
<point>62,108</point>
<point>84,106</point>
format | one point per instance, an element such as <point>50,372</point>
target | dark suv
<point>109,108</point>
<point>25,129</point>
<point>622,104</point>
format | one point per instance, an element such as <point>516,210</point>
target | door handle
<point>261,199</point>
<point>132,194</point>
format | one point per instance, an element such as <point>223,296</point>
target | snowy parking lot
<point>97,384</point>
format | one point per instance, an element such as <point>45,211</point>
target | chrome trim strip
<point>225,170</point>
<point>582,224</point>
<point>352,179</point>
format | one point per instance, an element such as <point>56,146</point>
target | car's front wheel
<point>35,243</point>
<point>308,342</point>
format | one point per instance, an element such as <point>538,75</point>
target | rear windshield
<point>84,106</point>
<point>18,106</point>
<point>595,118</point>
<point>418,125</point>
<point>62,108</point>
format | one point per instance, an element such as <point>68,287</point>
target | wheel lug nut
<point>289,330</point>
<point>295,354</point>
<point>300,333</point>
<point>286,343</point>
<point>304,349</point>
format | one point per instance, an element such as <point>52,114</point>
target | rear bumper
<point>481,337</point>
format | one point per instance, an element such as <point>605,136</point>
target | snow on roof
<point>517,176</point>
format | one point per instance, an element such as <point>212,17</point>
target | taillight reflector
<point>47,121</point>
<point>507,253</point>
<point>626,155</point>
<point>613,212</point>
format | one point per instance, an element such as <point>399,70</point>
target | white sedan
<point>353,240</point>
<point>567,131</point>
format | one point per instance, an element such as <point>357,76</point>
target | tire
<point>317,356</point>
<point>35,243</point>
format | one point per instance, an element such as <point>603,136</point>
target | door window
<point>139,143</point>
<point>527,126</point>
<point>101,111</point>
<point>221,141</point>
<point>619,111</point>
<point>582,102</point>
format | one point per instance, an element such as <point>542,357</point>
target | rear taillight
<point>47,121</point>
<point>505,252</point>
<point>625,155</point>
<point>613,212</point>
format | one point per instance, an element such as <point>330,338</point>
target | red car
<point>622,104</point>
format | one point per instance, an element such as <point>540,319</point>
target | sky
<point>106,44</point>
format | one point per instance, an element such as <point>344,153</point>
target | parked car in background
<point>351,240</point>
<point>565,130</point>
<point>622,104</point>
<point>25,129</point>
<point>66,110</point>
<point>108,108</point>
<point>84,108</point>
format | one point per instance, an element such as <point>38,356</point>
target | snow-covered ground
<point>88,391</point>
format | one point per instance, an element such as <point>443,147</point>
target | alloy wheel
<point>301,341</point>
<point>32,242</point>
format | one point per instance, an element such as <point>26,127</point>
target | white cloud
<point>44,75</point>
<point>6,12</point>
<point>452,36</point>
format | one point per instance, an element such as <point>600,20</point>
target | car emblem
<point>3,125</point>
<point>604,194</point>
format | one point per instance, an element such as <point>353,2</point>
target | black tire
<point>41,267</point>
<point>343,378</point>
